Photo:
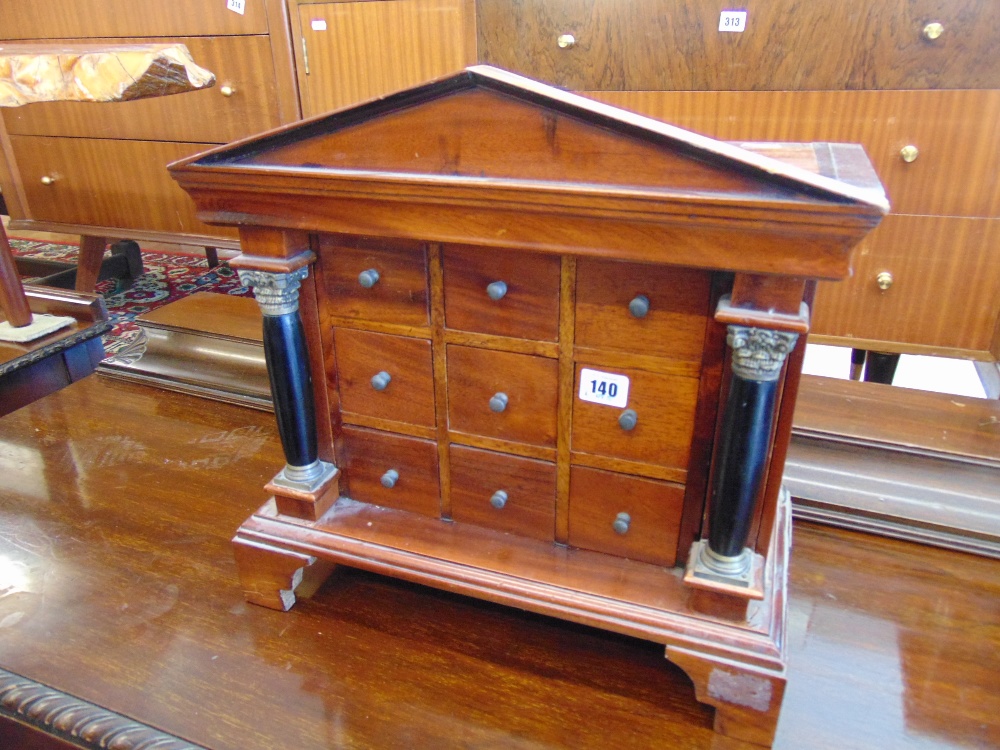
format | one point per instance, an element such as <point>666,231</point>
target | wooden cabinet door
<point>353,51</point>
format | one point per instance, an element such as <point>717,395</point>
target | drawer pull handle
<point>565,41</point>
<point>884,280</point>
<point>628,419</point>
<point>227,90</point>
<point>368,278</point>
<point>933,30</point>
<point>621,524</point>
<point>381,380</point>
<point>639,306</point>
<point>499,402</point>
<point>499,499</point>
<point>497,290</point>
<point>47,180</point>
<point>389,479</point>
<point>909,154</point>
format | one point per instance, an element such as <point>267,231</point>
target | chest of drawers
<point>531,348</point>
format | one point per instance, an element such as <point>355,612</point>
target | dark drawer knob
<point>499,402</point>
<point>497,290</point>
<point>621,524</point>
<point>389,479</point>
<point>628,419</point>
<point>381,380</point>
<point>639,306</point>
<point>499,499</point>
<point>368,278</point>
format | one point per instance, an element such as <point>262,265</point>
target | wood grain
<point>952,176</point>
<point>369,49</point>
<point>787,44</point>
<point>529,508</point>
<point>409,395</point>
<point>529,308</point>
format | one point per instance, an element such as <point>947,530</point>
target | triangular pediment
<point>486,125</point>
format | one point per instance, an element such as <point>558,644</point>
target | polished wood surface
<point>891,644</point>
<point>786,44</point>
<point>241,63</point>
<point>107,182</point>
<point>349,52</point>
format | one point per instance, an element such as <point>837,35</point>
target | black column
<point>291,386</point>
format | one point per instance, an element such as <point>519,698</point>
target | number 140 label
<point>604,388</point>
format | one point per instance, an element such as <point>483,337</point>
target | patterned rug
<point>167,277</point>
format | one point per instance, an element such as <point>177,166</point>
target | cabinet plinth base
<point>729,660</point>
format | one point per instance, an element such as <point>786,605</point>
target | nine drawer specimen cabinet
<point>532,348</point>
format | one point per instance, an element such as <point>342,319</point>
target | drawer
<point>958,153</point>
<point>785,45</point>
<point>208,116</point>
<point>368,456</point>
<point>396,293</point>
<point>648,529</point>
<point>664,406</point>
<point>365,359</point>
<point>945,285</point>
<point>502,492</point>
<point>108,183</point>
<point>529,383</point>
<point>673,325</point>
<point>55,19</point>
<point>502,292</point>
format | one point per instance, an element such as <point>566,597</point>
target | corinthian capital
<point>276,293</point>
<point>759,353</point>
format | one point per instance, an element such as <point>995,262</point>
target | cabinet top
<point>488,157</point>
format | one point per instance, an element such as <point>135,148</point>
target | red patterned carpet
<point>167,277</point>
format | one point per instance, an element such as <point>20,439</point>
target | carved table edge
<point>64,716</point>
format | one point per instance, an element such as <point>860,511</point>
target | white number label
<point>237,6</point>
<point>603,388</point>
<point>733,20</point>
<point>318,24</point>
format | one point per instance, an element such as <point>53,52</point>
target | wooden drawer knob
<point>884,280</point>
<point>497,290</point>
<point>933,30</point>
<point>565,41</point>
<point>227,90</point>
<point>639,306</point>
<point>368,278</point>
<point>499,402</point>
<point>499,499</point>
<point>909,154</point>
<point>628,419</point>
<point>389,479</point>
<point>621,524</point>
<point>381,380</point>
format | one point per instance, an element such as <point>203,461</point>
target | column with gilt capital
<point>306,485</point>
<point>742,454</point>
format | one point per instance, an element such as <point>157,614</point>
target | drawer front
<point>57,19</point>
<point>384,376</point>
<point>396,293</point>
<point>530,384</point>
<point>507,493</point>
<point>664,407</point>
<point>108,183</point>
<point>609,299</point>
<point>954,132</point>
<point>208,116</point>
<point>785,44</point>
<point>945,285</point>
<point>501,292</point>
<point>368,456</point>
<point>624,515</point>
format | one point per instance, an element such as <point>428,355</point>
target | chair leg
<point>89,264</point>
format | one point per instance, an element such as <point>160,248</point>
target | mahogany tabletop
<point>118,587</point>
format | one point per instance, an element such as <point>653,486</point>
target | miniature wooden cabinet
<point>535,349</point>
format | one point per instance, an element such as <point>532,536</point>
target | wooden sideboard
<point>917,83</point>
<point>100,170</point>
<point>532,348</point>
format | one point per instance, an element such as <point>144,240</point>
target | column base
<point>306,494</point>
<point>742,576</point>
